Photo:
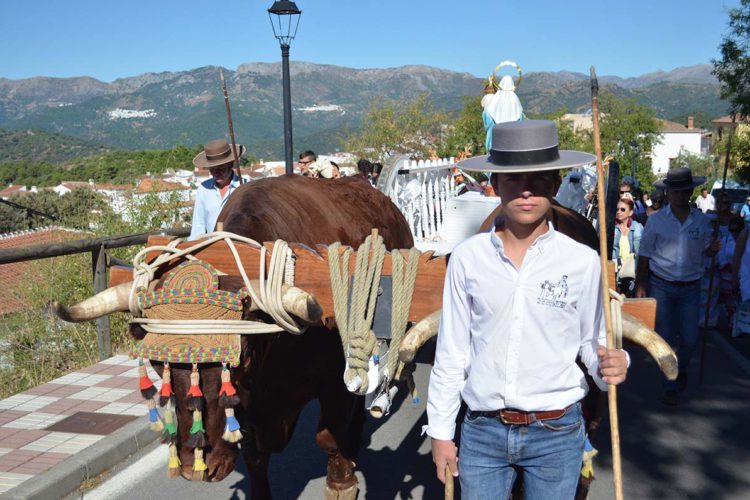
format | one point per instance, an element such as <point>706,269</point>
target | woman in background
<point>626,242</point>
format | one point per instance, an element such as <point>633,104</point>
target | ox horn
<point>633,329</point>
<point>417,335</point>
<point>114,299</point>
<point>637,332</point>
<point>296,302</point>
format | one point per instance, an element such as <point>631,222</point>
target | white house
<point>675,138</point>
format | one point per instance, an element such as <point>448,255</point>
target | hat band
<point>517,158</point>
<point>223,154</point>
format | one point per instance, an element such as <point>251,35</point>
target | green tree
<point>698,165</point>
<point>394,127</point>
<point>76,210</point>
<point>467,133</point>
<point>624,124</point>
<point>733,69</point>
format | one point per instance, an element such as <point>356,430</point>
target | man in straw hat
<point>218,157</point>
<point>670,266</point>
<point>520,304</point>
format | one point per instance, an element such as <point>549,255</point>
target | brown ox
<point>280,373</point>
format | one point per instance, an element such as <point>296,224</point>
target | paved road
<point>697,450</point>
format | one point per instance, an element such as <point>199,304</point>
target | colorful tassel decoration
<point>199,466</point>
<point>166,395</point>
<point>170,427</point>
<point>232,432</point>
<point>153,416</point>
<point>227,394</point>
<point>195,395</point>
<point>147,387</point>
<point>197,437</point>
<point>174,461</point>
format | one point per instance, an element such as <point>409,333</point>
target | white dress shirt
<point>675,250</point>
<point>705,204</point>
<point>509,337</point>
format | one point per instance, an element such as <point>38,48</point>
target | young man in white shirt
<point>520,304</point>
<point>705,201</point>
<point>670,266</point>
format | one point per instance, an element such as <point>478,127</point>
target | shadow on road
<point>699,449</point>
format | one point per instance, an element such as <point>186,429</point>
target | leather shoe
<point>669,398</point>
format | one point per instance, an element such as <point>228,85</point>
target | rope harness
<point>268,298</point>
<point>354,317</point>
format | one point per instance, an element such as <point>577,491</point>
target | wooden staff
<point>714,257</point>
<point>612,392</point>
<point>448,483</point>
<point>231,125</point>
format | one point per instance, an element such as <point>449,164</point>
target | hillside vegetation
<point>161,110</point>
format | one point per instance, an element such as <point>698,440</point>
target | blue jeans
<point>549,453</point>
<point>678,314</point>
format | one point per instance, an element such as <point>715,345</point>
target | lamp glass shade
<point>284,16</point>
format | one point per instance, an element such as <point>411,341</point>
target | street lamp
<point>634,149</point>
<point>287,17</point>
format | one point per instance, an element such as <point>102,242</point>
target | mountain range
<point>158,110</point>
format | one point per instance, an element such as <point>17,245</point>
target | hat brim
<point>697,181</point>
<point>201,161</point>
<point>568,159</point>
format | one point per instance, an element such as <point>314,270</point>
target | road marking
<point>123,481</point>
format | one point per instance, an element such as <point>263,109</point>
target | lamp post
<point>634,149</point>
<point>287,17</point>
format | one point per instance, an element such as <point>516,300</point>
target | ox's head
<point>217,453</point>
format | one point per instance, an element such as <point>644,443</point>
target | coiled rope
<point>403,290</point>
<point>354,318</point>
<point>268,298</point>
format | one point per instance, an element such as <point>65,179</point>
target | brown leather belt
<point>517,417</point>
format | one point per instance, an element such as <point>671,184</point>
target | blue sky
<point>108,39</point>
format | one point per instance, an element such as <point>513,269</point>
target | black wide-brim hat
<point>679,179</point>
<point>217,153</point>
<point>526,146</point>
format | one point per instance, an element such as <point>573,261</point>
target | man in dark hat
<point>218,157</point>
<point>670,266</point>
<point>520,304</point>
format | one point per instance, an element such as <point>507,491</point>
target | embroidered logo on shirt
<point>553,294</point>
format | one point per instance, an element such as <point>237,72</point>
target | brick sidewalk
<point>28,447</point>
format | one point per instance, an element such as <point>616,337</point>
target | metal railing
<point>100,262</point>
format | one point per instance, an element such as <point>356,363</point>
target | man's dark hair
<point>377,168</point>
<point>307,152</point>
<point>364,166</point>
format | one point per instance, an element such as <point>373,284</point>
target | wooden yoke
<point>312,275</point>
<point>311,272</point>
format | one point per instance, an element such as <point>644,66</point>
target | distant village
<point>169,187</point>
<point>673,140</point>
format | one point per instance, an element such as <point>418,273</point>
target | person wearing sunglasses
<point>306,158</point>
<point>627,239</point>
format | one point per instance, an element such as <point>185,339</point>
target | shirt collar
<point>691,214</point>
<point>540,242</point>
<point>234,184</point>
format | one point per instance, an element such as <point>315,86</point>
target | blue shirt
<point>675,250</point>
<point>745,212</point>
<point>208,205</point>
